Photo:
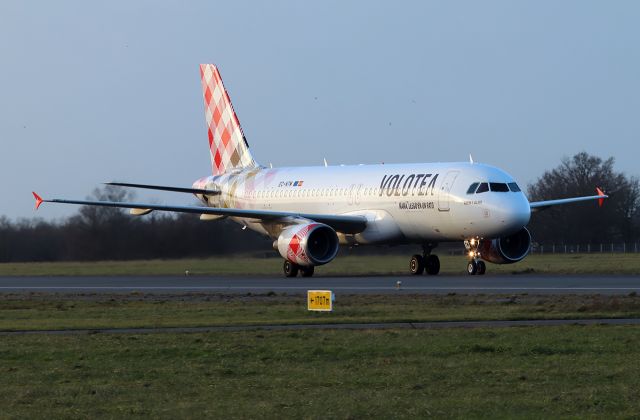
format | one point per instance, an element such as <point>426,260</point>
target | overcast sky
<point>99,91</point>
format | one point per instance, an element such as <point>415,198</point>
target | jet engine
<point>508,249</point>
<point>308,245</point>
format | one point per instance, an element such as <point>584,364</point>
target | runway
<point>498,284</point>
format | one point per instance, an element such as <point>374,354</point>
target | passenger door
<point>445,188</point>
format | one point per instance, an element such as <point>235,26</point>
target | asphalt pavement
<point>488,284</point>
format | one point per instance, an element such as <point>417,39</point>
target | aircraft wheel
<point>416,265</point>
<point>482,267</point>
<point>432,264</point>
<point>307,271</point>
<point>472,267</point>
<point>290,269</point>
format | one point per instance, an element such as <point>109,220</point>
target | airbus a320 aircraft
<point>310,211</point>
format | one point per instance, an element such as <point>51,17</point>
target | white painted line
<point>195,287</point>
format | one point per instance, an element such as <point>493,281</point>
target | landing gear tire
<point>290,269</point>
<point>482,267</point>
<point>472,267</point>
<point>432,264</point>
<point>307,271</point>
<point>416,265</point>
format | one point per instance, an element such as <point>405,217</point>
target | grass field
<point>343,265</point>
<point>43,311</point>
<point>528,372</point>
<point>521,372</point>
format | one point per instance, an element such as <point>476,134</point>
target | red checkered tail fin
<point>227,143</point>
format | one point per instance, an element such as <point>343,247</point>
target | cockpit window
<point>514,187</point>
<point>472,188</point>
<point>498,187</point>
<point>484,187</point>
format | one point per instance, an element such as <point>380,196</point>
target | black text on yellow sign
<point>320,300</point>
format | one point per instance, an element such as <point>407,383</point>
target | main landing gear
<point>475,265</point>
<point>428,262</point>
<point>291,269</point>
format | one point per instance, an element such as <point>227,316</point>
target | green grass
<point>41,312</point>
<point>526,372</point>
<point>550,372</point>
<point>347,265</point>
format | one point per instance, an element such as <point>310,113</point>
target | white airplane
<point>310,211</point>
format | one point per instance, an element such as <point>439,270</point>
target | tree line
<point>102,233</point>
<point>618,220</point>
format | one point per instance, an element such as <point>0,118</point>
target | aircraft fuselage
<point>403,203</point>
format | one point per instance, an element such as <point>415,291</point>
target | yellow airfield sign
<point>320,300</point>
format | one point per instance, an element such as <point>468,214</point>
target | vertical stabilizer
<point>227,144</point>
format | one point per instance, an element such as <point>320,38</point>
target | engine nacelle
<point>307,245</point>
<point>508,249</point>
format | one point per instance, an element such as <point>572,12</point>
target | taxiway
<point>534,284</point>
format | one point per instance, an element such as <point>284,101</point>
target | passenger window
<point>498,187</point>
<point>472,188</point>
<point>514,187</point>
<point>484,187</point>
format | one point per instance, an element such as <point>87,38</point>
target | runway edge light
<point>320,300</point>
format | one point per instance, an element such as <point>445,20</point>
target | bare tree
<point>96,216</point>
<point>584,223</point>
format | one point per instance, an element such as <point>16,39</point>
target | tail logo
<point>227,144</point>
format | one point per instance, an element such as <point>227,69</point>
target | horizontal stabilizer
<point>165,188</point>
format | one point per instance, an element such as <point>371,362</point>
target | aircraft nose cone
<point>520,213</point>
<point>513,215</point>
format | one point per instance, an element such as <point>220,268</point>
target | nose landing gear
<point>475,265</point>
<point>428,262</point>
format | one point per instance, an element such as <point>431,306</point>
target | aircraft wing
<point>543,205</point>
<point>341,223</point>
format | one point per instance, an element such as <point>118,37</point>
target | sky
<point>98,91</point>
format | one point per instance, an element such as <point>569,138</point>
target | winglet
<point>39,199</point>
<point>600,193</point>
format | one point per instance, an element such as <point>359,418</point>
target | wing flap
<point>139,212</point>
